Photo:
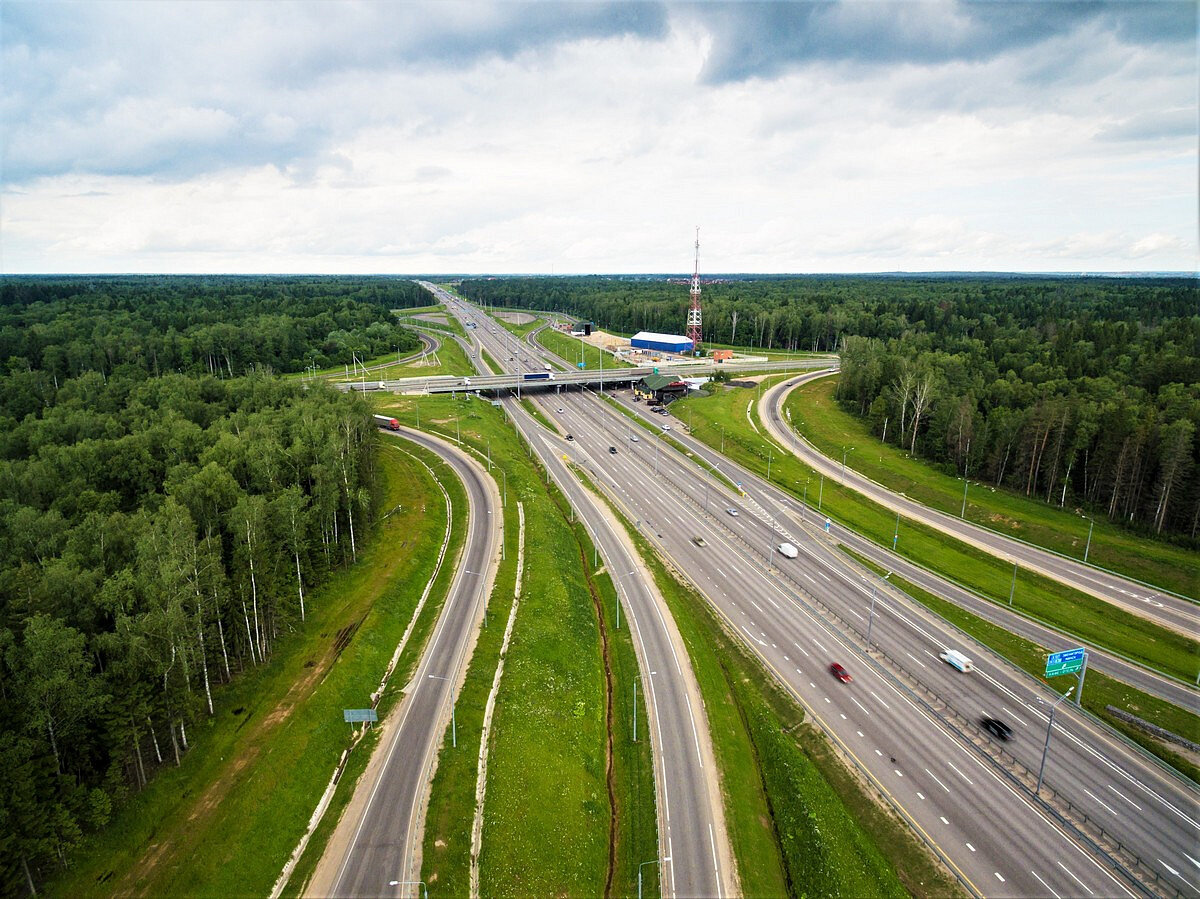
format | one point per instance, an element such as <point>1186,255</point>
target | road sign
<point>354,716</point>
<point>581,364</point>
<point>1066,662</point>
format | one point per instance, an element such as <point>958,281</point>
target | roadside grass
<point>538,415</point>
<point>798,821</point>
<point>225,821</point>
<point>722,419</point>
<point>817,416</point>
<point>1100,690</point>
<point>451,324</point>
<point>567,347</point>
<point>511,327</point>
<point>450,359</point>
<point>491,363</point>
<point>547,812</point>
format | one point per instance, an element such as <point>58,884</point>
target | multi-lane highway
<point>1170,611</point>
<point>949,780</point>
<point>376,846</point>
<point>694,851</point>
<point>971,789</point>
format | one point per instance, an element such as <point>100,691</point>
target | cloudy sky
<point>567,138</point>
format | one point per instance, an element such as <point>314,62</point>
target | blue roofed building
<point>665,343</point>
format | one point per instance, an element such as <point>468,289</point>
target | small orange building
<point>721,355</point>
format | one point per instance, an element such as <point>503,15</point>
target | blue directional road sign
<point>353,716</point>
<point>1066,662</point>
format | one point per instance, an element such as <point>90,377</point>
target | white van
<point>786,549</point>
<point>956,659</point>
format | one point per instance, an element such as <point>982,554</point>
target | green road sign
<point>1066,662</point>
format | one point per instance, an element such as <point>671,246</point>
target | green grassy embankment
<point>568,348</point>
<point>817,416</point>
<point>798,821</point>
<point>225,822</point>
<point>722,419</point>
<point>1100,690</point>
<point>548,811</point>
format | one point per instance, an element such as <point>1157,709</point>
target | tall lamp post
<point>845,450</point>
<point>453,722</point>
<point>404,883</point>
<point>1049,727</point>
<point>871,617</point>
<point>653,861</point>
<point>1091,524</point>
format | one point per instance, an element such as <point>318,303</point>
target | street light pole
<point>768,461</point>
<point>453,722</point>
<point>654,861</point>
<point>1013,589</point>
<point>403,883</point>
<point>1091,524</point>
<point>1046,748</point>
<point>896,532</point>
<point>845,450</point>
<point>871,617</point>
<point>636,678</point>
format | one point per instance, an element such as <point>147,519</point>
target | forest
<point>1084,392</point>
<point>166,507</point>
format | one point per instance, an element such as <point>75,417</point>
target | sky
<point>565,138</point>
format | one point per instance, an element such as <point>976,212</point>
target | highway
<point>968,798</point>
<point>696,858</point>
<point>910,706</point>
<point>1165,609</point>
<point>376,845</point>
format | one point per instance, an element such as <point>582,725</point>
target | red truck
<point>384,422</point>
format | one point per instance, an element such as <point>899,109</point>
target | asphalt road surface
<point>377,843</point>
<point>1166,609</point>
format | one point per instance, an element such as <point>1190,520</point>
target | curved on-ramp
<point>1164,609</point>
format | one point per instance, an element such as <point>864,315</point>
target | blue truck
<point>537,376</point>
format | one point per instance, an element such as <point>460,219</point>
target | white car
<point>733,512</point>
<point>560,411</point>
<point>666,427</point>
<point>634,438</point>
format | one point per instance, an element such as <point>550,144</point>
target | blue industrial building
<point>666,343</point>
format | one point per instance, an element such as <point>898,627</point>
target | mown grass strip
<point>567,347</point>
<point>721,419</point>
<point>225,822</point>
<point>1100,690</point>
<point>817,416</point>
<point>799,822</point>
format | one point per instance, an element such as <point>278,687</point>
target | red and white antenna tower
<point>693,316</point>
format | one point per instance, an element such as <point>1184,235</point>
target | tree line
<point>224,326</point>
<point>1080,391</point>
<point>159,533</point>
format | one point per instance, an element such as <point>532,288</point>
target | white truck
<point>786,549</point>
<point>956,659</point>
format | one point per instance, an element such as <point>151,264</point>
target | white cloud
<point>465,137</point>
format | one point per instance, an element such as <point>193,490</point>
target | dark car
<point>613,450</point>
<point>840,673</point>
<point>570,437</point>
<point>996,728</point>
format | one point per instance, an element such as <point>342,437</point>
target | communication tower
<point>693,316</point>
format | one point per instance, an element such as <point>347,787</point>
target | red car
<point>840,673</point>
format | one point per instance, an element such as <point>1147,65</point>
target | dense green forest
<point>159,530</point>
<point>1084,392</point>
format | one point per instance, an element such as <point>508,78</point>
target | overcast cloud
<point>539,137</point>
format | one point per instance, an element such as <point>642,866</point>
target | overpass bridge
<point>542,380</point>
